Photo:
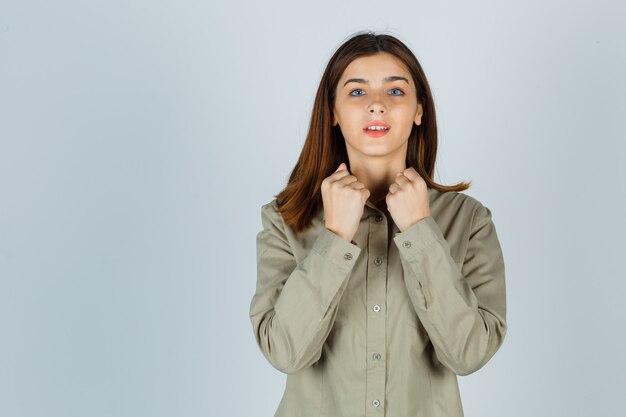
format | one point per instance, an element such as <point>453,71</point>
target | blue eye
<point>358,89</point>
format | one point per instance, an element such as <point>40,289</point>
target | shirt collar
<point>371,209</point>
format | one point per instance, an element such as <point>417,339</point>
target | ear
<point>334,119</point>
<point>418,115</point>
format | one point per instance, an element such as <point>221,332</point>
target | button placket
<point>376,297</point>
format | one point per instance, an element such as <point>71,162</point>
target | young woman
<point>376,286</point>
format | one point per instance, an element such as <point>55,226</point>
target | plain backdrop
<point>139,139</point>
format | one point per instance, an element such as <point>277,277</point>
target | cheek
<point>348,117</point>
<point>352,125</point>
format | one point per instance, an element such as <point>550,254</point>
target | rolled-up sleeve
<point>463,310</point>
<point>295,304</point>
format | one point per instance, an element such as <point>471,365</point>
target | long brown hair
<point>324,148</point>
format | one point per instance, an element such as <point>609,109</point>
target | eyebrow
<point>385,80</point>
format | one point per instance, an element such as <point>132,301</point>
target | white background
<point>139,139</point>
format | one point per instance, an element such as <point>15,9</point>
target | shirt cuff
<point>336,249</point>
<point>419,236</point>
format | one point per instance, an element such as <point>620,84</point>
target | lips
<point>377,123</point>
<point>377,133</point>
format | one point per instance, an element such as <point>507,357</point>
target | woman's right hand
<point>344,200</point>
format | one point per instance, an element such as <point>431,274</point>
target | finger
<point>402,180</point>
<point>356,185</point>
<point>393,188</point>
<point>348,179</point>
<point>340,172</point>
<point>411,174</point>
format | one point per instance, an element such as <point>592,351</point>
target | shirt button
<point>378,261</point>
<point>407,244</point>
<point>376,308</point>
<point>376,403</point>
<point>376,356</point>
<point>347,256</point>
<point>379,218</point>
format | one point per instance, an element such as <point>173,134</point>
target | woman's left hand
<point>407,199</point>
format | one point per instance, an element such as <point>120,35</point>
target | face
<point>376,87</point>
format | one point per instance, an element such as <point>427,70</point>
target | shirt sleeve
<point>295,304</point>
<point>463,310</point>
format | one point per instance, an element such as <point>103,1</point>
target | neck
<point>377,179</point>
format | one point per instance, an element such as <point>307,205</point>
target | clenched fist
<point>407,199</point>
<point>344,200</point>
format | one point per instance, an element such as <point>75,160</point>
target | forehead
<point>375,67</point>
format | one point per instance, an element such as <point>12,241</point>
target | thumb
<point>341,166</point>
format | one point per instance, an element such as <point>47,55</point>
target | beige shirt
<point>381,326</point>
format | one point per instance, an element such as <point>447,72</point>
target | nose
<point>377,106</point>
